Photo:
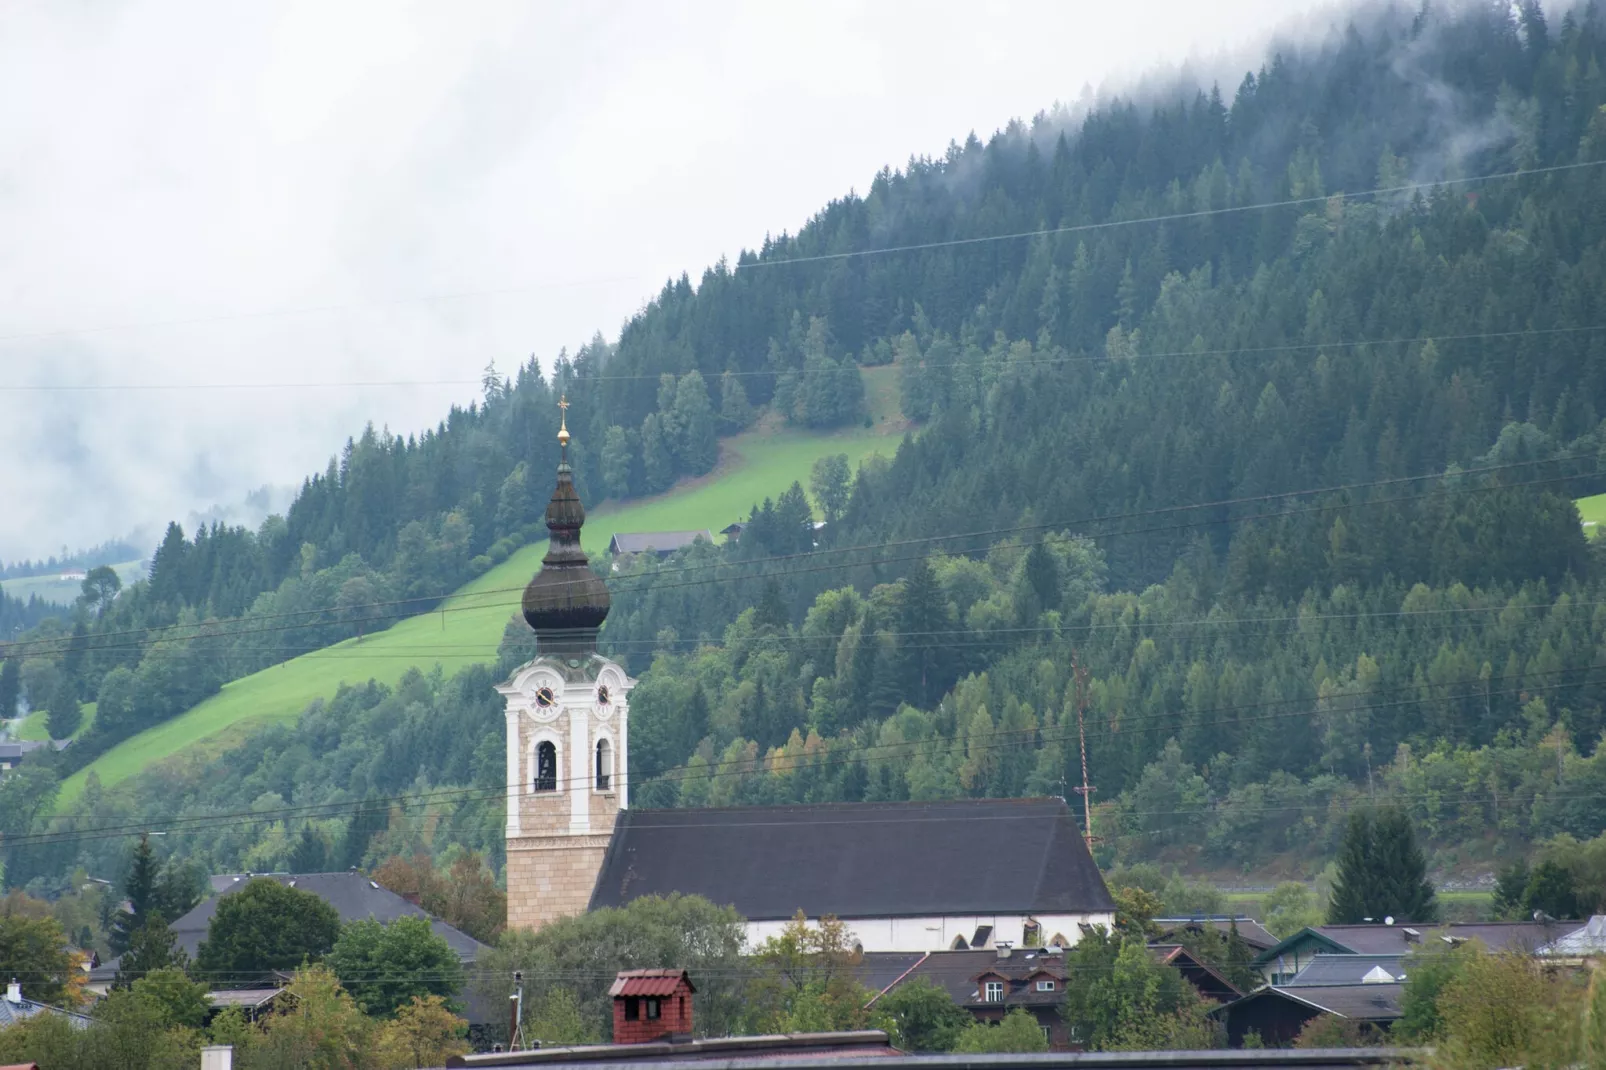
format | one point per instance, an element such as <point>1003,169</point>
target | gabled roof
<point>353,896</point>
<point>1358,1003</point>
<point>859,860</point>
<point>636,542</point>
<point>1590,939</point>
<point>1250,931</point>
<point>1373,939</point>
<point>650,983</point>
<point>878,970</point>
<point>248,998</point>
<point>1347,970</point>
<point>1210,982</point>
<point>16,1013</point>
<point>961,974</point>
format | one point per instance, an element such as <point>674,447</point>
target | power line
<point>1234,351</point>
<point>648,581</point>
<point>1026,738</point>
<point>1169,217</point>
<point>750,265</point>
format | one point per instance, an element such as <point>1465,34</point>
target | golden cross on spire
<point>563,422</point>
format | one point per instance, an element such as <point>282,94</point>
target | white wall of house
<point>937,932</point>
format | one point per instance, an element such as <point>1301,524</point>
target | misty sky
<point>195,196</point>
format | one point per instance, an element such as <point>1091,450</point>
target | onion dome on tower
<point>565,602</point>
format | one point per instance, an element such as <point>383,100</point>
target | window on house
<point>604,764</point>
<point>1046,1036</point>
<point>1031,934</point>
<point>546,766</point>
<point>632,1009</point>
<point>994,991</point>
<point>655,1010</point>
<point>1045,986</point>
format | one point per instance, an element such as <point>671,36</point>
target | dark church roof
<point>859,860</point>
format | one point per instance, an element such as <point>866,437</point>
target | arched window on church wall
<point>604,765</point>
<point>546,766</point>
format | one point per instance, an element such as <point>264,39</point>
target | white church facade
<point>913,877</point>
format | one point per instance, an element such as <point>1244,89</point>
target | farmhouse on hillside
<point>974,873</point>
<point>662,543</point>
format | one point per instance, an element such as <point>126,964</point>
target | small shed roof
<point>650,983</point>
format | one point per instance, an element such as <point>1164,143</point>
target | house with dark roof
<point>1208,981</point>
<point>990,984</point>
<point>1250,931</point>
<point>13,751</point>
<point>354,896</point>
<point>662,543</point>
<point>905,877</point>
<point>15,1009</point>
<point>1279,963</point>
<point>1355,987</point>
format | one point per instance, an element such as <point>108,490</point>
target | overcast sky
<point>195,196</point>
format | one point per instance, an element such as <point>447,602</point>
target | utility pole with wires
<point>515,1032</point>
<point>1079,676</point>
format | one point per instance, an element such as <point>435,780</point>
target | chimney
<point>13,992</point>
<point>217,1057</point>
<point>651,1005</point>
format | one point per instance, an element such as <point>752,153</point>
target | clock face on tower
<point>544,697</point>
<point>602,695</point>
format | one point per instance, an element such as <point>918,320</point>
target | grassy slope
<point>1592,511</point>
<point>33,725</point>
<point>53,588</point>
<point>758,464</point>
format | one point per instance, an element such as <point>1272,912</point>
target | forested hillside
<point>1269,416</point>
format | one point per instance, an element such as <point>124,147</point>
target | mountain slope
<point>468,626</point>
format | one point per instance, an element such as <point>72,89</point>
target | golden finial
<point>563,428</point>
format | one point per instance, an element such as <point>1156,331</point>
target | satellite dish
<point>1389,920</point>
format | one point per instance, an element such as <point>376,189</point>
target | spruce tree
<point>153,946</point>
<point>140,889</point>
<point>10,684</point>
<point>1382,872</point>
<point>66,715</point>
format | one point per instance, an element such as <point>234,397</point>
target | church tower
<point>567,729</point>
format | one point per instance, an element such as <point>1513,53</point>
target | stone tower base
<point>551,877</point>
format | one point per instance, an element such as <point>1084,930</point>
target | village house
<point>1282,961</point>
<point>916,876</point>
<point>661,543</point>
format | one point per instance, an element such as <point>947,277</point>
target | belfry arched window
<point>546,766</point>
<point>604,765</point>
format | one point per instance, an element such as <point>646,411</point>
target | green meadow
<point>53,588</point>
<point>467,628</point>
<point>1592,511</point>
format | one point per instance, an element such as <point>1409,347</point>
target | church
<point>906,877</point>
